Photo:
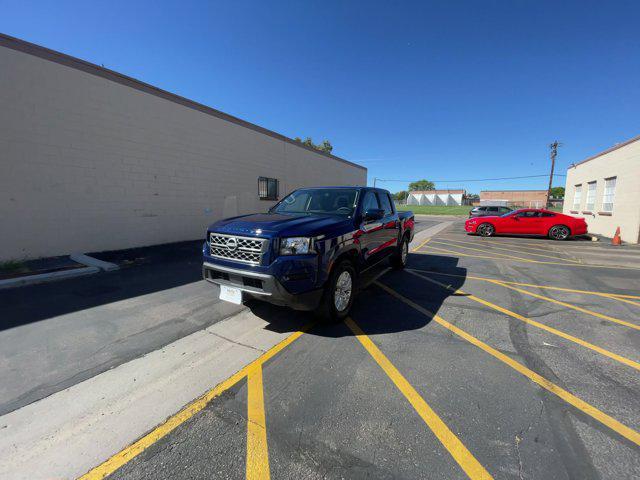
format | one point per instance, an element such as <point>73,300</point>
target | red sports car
<point>528,222</point>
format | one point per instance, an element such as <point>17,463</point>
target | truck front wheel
<point>337,298</point>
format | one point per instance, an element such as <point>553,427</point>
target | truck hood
<point>278,225</point>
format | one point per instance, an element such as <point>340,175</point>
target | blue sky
<point>438,90</point>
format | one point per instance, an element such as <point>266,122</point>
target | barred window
<point>577,197</point>
<point>591,196</point>
<point>609,194</point>
<point>267,188</point>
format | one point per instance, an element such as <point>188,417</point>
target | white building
<point>94,160</point>
<point>605,191</point>
<point>436,197</point>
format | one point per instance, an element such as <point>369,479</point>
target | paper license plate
<point>231,294</point>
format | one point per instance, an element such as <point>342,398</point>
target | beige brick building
<point>514,198</point>
<point>93,160</point>
<point>605,190</point>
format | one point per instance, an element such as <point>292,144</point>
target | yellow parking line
<point>451,442</point>
<point>162,430</point>
<point>620,299</point>
<point>505,241</point>
<point>515,251</point>
<point>498,241</point>
<point>578,265</point>
<point>559,333</point>
<point>571,399</point>
<point>617,296</point>
<point>257,450</point>
<point>569,305</point>
<point>484,251</point>
<point>421,245</point>
<point>431,247</point>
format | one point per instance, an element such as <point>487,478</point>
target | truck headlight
<point>295,246</point>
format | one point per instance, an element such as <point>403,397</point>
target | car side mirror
<point>373,214</point>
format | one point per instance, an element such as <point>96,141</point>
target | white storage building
<point>436,197</point>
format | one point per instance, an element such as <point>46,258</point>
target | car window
<point>547,214</point>
<point>385,204</point>
<point>480,209</point>
<point>504,210</point>
<point>529,214</point>
<point>370,201</point>
<point>493,209</point>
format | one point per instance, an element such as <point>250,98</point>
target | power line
<point>473,179</point>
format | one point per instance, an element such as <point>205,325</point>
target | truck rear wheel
<point>337,298</point>
<point>399,258</point>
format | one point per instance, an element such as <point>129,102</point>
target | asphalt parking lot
<point>486,358</point>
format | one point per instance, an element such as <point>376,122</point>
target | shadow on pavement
<point>24,305</point>
<point>384,318</point>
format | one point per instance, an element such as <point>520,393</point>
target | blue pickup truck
<point>308,251</point>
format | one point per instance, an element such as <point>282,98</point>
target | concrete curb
<point>47,277</point>
<point>93,262</point>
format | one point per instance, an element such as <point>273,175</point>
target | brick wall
<point>517,198</point>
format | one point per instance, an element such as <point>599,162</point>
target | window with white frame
<point>577,197</point>
<point>609,194</point>
<point>591,196</point>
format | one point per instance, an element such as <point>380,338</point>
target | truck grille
<point>239,249</point>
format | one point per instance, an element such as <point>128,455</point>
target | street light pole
<point>554,152</point>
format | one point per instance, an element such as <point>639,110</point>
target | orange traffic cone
<point>616,238</point>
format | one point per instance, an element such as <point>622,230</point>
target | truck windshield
<point>327,201</point>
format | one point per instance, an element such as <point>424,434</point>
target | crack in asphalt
<point>520,437</point>
<point>235,342</point>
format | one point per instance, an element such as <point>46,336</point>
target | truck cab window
<point>370,202</point>
<point>385,204</point>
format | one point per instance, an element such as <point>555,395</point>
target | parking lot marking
<point>516,251</point>
<point>257,451</point>
<point>500,241</point>
<point>569,305</point>
<point>451,442</point>
<point>421,245</point>
<point>548,385</point>
<point>578,265</point>
<point>616,296</point>
<point>448,244</point>
<point>129,453</point>
<point>559,333</point>
<point>621,299</point>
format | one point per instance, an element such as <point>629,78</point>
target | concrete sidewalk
<point>71,431</point>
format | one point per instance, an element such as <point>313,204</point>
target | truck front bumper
<point>261,286</point>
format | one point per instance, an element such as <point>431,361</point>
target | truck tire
<point>399,258</point>
<point>339,291</point>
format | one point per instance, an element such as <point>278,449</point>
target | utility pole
<point>553,154</point>
<point>374,182</point>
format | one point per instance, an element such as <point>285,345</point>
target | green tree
<point>421,185</point>
<point>557,192</point>
<point>325,146</point>
<point>400,196</point>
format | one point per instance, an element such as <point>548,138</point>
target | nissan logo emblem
<point>232,244</point>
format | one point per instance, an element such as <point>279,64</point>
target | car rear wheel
<point>485,230</point>
<point>559,232</point>
<point>338,293</point>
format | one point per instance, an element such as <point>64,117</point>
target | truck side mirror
<point>373,214</point>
